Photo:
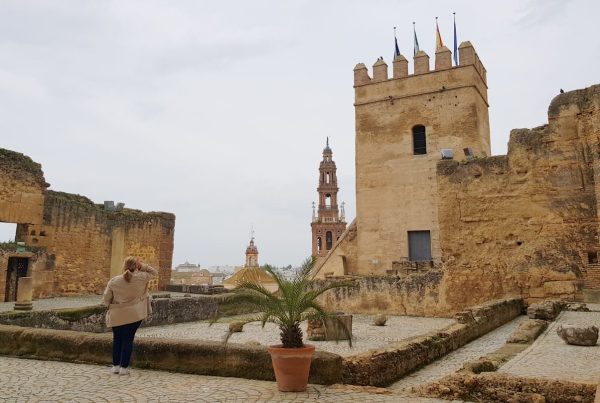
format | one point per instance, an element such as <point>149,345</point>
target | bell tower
<point>328,222</point>
<point>251,254</point>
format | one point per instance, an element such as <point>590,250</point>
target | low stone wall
<point>493,387</point>
<point>194,357</point>
<point>92,318</point>
<point>384,366</point>
<point>205,289</point>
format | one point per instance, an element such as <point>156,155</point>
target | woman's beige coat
<point>128,302</point>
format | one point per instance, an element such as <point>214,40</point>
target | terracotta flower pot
<point>291,366</point>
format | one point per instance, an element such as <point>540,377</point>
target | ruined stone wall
<point>89,244</point>
<point>414,295</point>
<point>523,224</point>
<point>83,245</point>
<point>22,188</point>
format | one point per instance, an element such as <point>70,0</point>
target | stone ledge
<point>92,318</point>
<point>492,387</point>
<point>194,357</point>
<point>384,366</point>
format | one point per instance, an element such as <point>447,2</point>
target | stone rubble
<point>578,335</point>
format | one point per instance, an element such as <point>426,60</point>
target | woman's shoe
<point>115,369</point>
<point>124,371</point>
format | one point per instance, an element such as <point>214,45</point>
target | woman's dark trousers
<point>123,343</point>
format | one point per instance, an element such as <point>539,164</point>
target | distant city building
<point>226,269</point>
<point>288,273</point>
<point>187,267</point>
<point>192,274</point>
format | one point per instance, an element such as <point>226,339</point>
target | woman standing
<point>128,302</point>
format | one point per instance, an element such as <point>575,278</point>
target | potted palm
<point>294,302</point>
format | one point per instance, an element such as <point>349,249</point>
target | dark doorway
<point>419,246</point>
<point>17,267</point>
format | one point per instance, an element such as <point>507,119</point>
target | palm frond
<point>294,302</point>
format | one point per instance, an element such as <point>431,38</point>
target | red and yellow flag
<point>438,36</point>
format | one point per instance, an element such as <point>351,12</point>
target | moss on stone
<point>75,314</point>
<point>21,161</point>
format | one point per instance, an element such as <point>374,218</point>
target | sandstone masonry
<point>73,246</point>
<point>429,195</point>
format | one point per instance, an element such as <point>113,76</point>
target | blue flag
<point>396,49</point>
<point>455,43</point>
<point>416,47</point>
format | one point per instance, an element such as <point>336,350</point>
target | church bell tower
<point>328,222</point>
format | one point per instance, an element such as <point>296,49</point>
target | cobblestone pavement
<point>452,362</point>
<point>550,357</point>
<point>365,335</point>
<point>24,380</point>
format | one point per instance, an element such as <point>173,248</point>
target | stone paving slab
<point>366,336</point>
<point>24,380</point>
<point>550,357</point>
<point>453,362</point>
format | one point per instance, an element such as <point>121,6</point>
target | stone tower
<point>251,254</point>
<point>403,125</point>
<point>328,222</point>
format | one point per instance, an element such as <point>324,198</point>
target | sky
<point>218,111</point>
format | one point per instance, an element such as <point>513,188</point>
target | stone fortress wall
<point>522,224</point>
<point>73,245</point>
<point>525,223</point>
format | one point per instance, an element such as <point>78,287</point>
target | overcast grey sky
<point>218,111</point>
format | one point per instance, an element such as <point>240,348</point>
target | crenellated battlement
<point>421,65</point>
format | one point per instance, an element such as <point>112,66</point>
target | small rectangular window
<point>419,140</point>
<point>419,246</point>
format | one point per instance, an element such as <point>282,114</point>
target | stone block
<point>338,327</point>
<point>557,288</point>
<point>578,335</point>
<point>537,292</point>
<point>528,331</point>
<point>546,310</point>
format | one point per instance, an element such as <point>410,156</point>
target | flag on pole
<point>396,49</point>
<point>416,46</point>
<point>455,43</point>
<point>438,36</point>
